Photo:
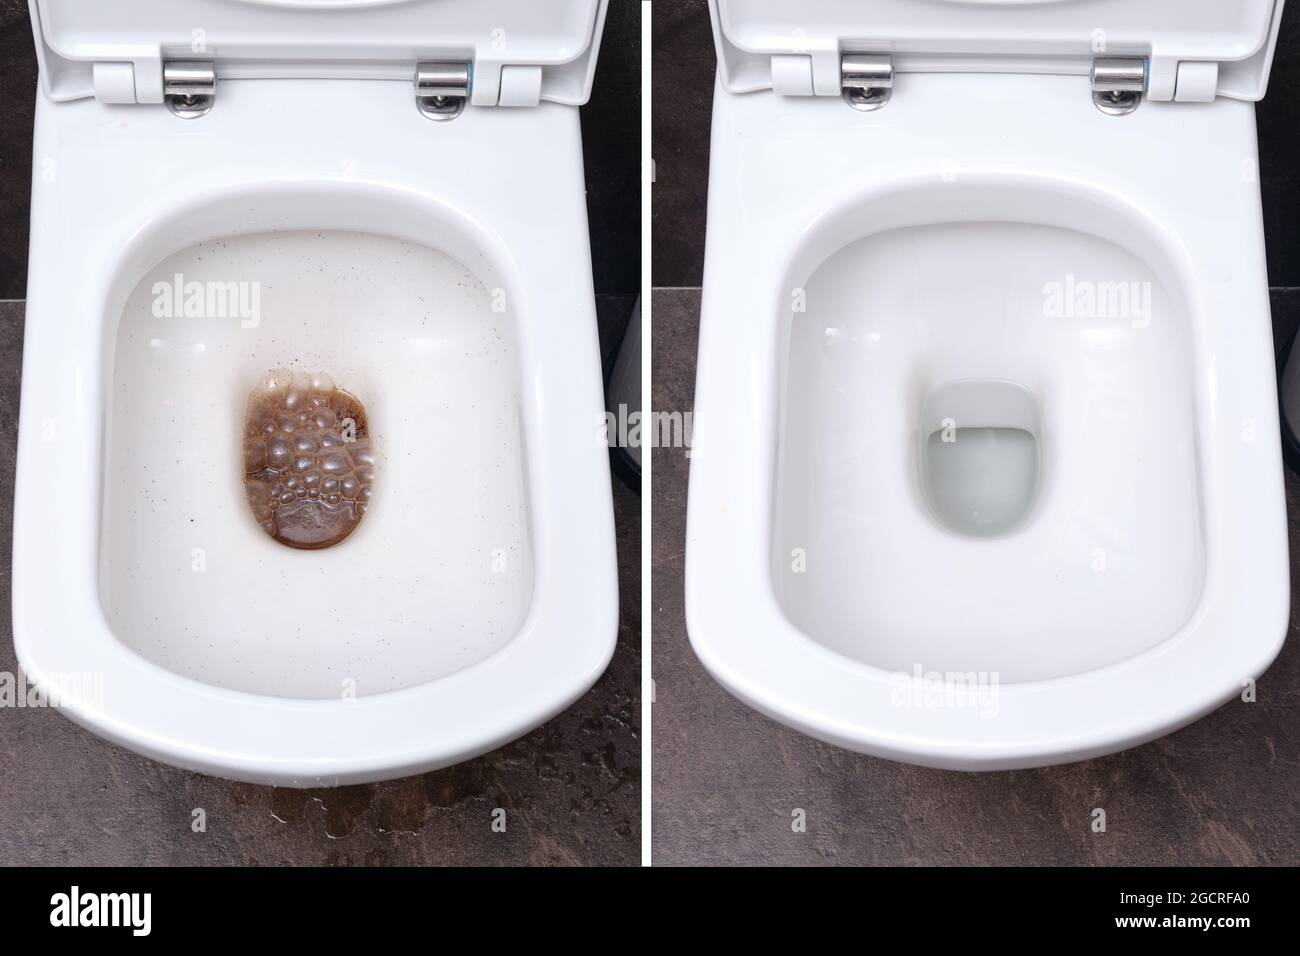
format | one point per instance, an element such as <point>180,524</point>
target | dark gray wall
<point>683,97</point>
<point>611,126</point>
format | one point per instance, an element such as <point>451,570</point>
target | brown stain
<point>343,807</point>
<point>308,466</point>
<point>287,805</point>
<point>402,807</point>
<point>445,789</point>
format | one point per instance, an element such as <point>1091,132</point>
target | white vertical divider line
<point>647,452</point>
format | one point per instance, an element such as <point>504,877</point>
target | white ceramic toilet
<point>389,193</point>
<point>985,470</point>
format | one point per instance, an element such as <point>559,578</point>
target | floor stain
<point>343,806</point>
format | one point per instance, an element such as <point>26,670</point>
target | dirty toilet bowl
<point>440,270</point>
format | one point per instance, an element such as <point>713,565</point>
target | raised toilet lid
<point>1195,49</point>
<point>546,46</point>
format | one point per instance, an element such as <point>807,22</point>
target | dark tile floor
<point>571,788</point>
<point>726,779</point>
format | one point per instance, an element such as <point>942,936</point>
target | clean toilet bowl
<point>979,454</point>
<point>439,270</point>
<point>932,265</point>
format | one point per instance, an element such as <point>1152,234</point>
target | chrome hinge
<point>189,87</point>
<point>442,89</point>
<point>1118,83</point>
<point>866,79</point>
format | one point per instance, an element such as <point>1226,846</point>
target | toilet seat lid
<point>360,39</point>
<point>1235,38</point>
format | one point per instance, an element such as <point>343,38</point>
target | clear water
<point>982,482</point>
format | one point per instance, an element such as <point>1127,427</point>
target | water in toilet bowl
<point>979,455</point>
<point>308,466</point>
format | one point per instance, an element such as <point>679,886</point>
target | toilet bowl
<point>985,471</point>
<point>314,217</point>
<point>979,455</point>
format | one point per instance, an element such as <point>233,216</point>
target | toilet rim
<point>269,739</point>
<point>837,217</point>
<point>286,204</point>
<point>736,625</point>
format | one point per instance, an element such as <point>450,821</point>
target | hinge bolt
<point>189,87</point>
<point>866,80</point>
<point>442,89</point>
<point>1118,84</point>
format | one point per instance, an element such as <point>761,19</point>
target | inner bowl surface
<point>1110,559</point>
<point>439,573</point>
